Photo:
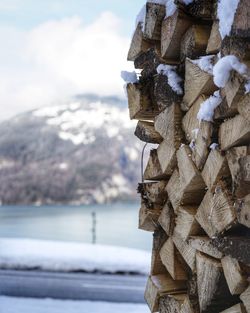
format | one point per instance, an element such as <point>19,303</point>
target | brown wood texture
<point>146,132</point>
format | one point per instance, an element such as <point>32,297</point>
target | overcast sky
<point>53,49</point>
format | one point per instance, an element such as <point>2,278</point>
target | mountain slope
<point>83,151</point>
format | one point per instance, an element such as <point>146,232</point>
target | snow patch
<point>63,166</point>
<point>214,146</point>
<point>205,63</point>
<point>174,80</point>
<point>225,12</point>
<point>223,68</point>
<point>140,18</point>
<point>129,77</point>
<point>206,112</point>
<point>68,257</point>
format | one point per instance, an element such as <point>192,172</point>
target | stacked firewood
<point>192,99</point>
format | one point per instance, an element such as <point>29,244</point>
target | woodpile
<point>192,100</point>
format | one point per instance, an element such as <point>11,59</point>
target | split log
<point>216,212</point>
<point>153,192</point>
<point>173,29</point>
<point>197,82</point>
<point>244,106</point>
<point>234,133</point>
<point>139,102</point>
<point>138,44</point>
<point>215,169</point>
<point>164,95</point>
<point>200,9</point>
<point>238,162</point>
<point>241,24</point>
<point>236,247</point>
<point>148,62</point>
<point>167,219</point>
<point>171,304</point>
<point>159,238</point>
<point>153,169</point>
<point>148,217</point>
<point>223,111</point>
<point>167,156</point>
<point>245,298</point>
<point>215,40</point>
<point>155,14</point>
<point>160,285</point>
<point>240,47</point>
<point>186,250</point>
<point>191,180</point>
<point>202,143</point>
<point>236,280</point>
<point>146,132</point>
<point>204,244</point>
<point>169,257</point>
<point>174,190</point>
<point>242,208</point>
<point>238,308</point>
<point>186,224</point>
<point>187,307</point>
<point>213,291</point>
<point>190,123</point>
<point>194,42</point>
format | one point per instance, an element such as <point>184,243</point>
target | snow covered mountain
<point>79,152</point>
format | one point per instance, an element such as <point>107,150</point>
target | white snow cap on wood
<point>223,68</point>
<point>205,63</point>
<point>206,112</point>
<point>174,80</point>
<point>129,77</point>
<point>214,146</point>
<point>140,18</point>
<point>225,12</point>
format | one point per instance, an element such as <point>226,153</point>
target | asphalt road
<point>72,286</point>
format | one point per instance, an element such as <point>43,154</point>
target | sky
<point>52,50</point>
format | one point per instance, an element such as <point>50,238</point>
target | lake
<point>116,224</point>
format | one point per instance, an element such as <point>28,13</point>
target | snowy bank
<point>14,305</point>
<point>67,256</point>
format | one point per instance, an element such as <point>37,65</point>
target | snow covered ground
<point>66,257</point>
<point>21,305</point>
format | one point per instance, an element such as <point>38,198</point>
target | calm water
<point>116,224</point>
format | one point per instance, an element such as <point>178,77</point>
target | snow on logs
<point>192,99</point>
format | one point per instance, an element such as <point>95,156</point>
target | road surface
<point>72,286</point>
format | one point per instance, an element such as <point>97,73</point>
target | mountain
<point>79,152</point>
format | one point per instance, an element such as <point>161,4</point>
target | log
<point>174,190</point>
<point>204,244</point>
<point>187,307</point>
<point>215,169</point>
<point>234,133</point>
<point>186,250</point>
<point>186,224</point>
<point>171,304</point>
<point>169,257</point>
<point>166,153</point>
<point>241,24</point>
<point>194,42</point>
<point>213,291</point>
<point>159,238</point>
<point>160,285</point>
<point>238,308</point>
<point>236,247</point>
<point>155,14</point>
<point>242,208</point>
<point>138,44</point>
<point>148,217</point>
<point>223,111</point>
<point>245,298</point>
<point>216,212</point>
<point>173,29</point>
<point>240,47</point>
<point>236,280</point>
<point>215,40</point>
<point>164,95</point>
<point>153,169</point>
<point>146,132</point>
<point>153,192</point>
<point>139,102</point>
<point>190,123</point>
<point>200,9</point>
<point>238,162</point>
<point>202,143</point>
<point>191,180</point>
<point>197,82</point>
<point>167,219</point>
<point>244,106</point>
